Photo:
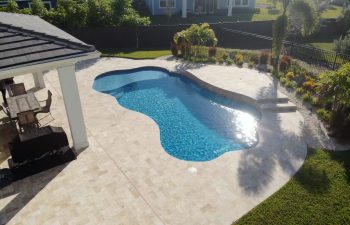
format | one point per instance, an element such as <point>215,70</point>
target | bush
<point>300,91</point>
<point>310,85</point>
<point>324,115</point>
<point>225,56</point>
<point>229,61</point>
<point>251,65</point>
<point>239,59</point>
<point>212,51</point>
<point>255,59</point>
<point>12,6</point>
<point>285,63</point>
<point>290,75</point>
<point>212,59</point>
<point>315,101</point>
<point>307,97</point>
<point>199,35</point>
<point>220,61</point>
<point>342,45</point>
<point>264,58</point>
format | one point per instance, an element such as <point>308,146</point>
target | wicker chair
<point>27,120</point>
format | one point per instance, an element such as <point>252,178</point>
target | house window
<point>167,4</point>
<point>238,2</point>
<point>245,2</point>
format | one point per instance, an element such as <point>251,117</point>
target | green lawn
<point>318,194</point>
<point>323,45</point>
<point>333,12</point>
<point>135,53</point>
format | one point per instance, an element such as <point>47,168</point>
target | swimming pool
<point>195,124</point>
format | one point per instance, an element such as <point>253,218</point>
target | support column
<point>72,103</point>
<point>184,8</point>
<point>39,79</point>
<point>230,5</point>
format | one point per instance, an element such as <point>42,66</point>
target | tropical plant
<point>197,35</point>
<point>335,86</point>
<point>303,18</point>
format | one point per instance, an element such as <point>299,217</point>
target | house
<point>49,4</point>
<point>197,7</point>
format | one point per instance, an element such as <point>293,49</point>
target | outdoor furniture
<point>33,145</point>
<point>22,103</point>
<point>47,106</point>
<point>4,83</point>
<point>27,121</point>
<point>17,89</point>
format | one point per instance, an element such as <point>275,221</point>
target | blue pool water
<point>195,124</point>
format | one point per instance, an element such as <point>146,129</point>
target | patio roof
<point>28,40</point>
<point>30,45</point>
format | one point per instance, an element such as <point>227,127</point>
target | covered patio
<point>29,45</point>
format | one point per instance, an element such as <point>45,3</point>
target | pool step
<point>279,107</point>
<point>273,100</point>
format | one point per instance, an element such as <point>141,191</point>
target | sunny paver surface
<point>125,176</point>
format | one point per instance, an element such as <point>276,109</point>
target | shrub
<point>285,63</point>
<point>315,101</point>
<point>290,75</point>
<point>300,90</point>
<point>310,84</point>
<point>199,35</point>
<point>283,81</point>
<point>307,97</point>
<point>324,115</point>
<point>225,56</point>
<point>212,59</point>
<point>251,65</point>
<point>264,58</point>
<point>11,6</point>
<point>342,45</point>
<point>239,59</point>
<point>255,59</point>
<point>229,61</point>
<point>211,51</point>
<point>220,61</point>
<point>232,55</point>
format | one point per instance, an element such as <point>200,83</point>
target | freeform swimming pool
<point>195,124</point>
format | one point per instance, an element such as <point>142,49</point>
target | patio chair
<point>8,119</point>
<point>27,121</point>
<point>18,89</point>
<point>46,108</point>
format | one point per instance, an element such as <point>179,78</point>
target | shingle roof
<point>26,39</point>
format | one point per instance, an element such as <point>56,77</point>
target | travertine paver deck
<point>125,177</point>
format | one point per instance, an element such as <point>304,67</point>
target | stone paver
<point>125,176</point>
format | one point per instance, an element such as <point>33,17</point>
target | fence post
<point>335,60</point>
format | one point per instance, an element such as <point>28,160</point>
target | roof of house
<point>28,40</point>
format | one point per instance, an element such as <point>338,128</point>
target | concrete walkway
<point>125,176</point>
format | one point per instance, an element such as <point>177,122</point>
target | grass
<point>332,12</point>
<point>135,53</point>
<point>317,194</point>
<point>323,45</point>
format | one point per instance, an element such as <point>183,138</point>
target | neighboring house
<point>28,3</point>
<point>166,7</point>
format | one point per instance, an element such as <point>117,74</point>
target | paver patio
<point>125,176</point>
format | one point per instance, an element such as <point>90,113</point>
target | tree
<point>99,13</point>
<point>38,8</point>
<point>71,13</point>
<point>11,6</point>
<point>306,21</point>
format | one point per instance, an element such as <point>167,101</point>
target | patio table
<point>22,103</point>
